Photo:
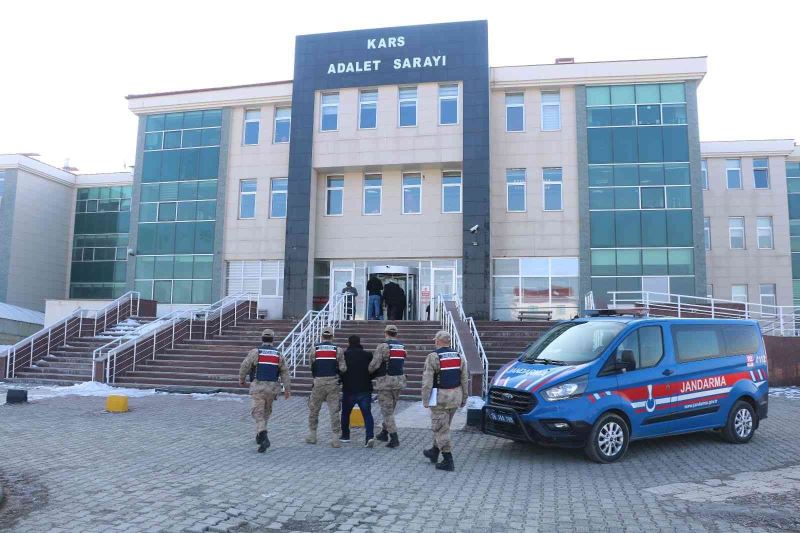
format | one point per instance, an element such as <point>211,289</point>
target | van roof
<point>670,320</point>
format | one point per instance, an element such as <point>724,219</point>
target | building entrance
<point>400,290</point>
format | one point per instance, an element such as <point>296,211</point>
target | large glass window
<point>334,196</point>
<point>252,123</point>
<point>412,194</point>
<point>549,283</point>
<point>329,117</point>
<point>407,103</point>
<point>283,124</point>
<point>515,112</point>
<point>247,199</point>
<point>278,191</point>
<point>515,189</point>
<point>761,173</point>
<point>368,109</point>
<point>736,233</point>
<point>733,173</point>
<point>451,192</point>
<point>551,110</point>
<point>373,188</point>
<point>552,185</point>
<point>764,232</point>
<point>448,104</point>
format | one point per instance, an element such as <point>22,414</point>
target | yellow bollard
<point>117,403</point>
<point>356,418</point>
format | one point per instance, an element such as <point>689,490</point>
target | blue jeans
<point>364,401</point>
<point>374,311</point>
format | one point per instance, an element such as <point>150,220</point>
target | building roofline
<point>207,89</point>
<point>601,61</point>
<point>738,147</point>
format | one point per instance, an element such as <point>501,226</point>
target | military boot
<point>335,443</point>
<point>383,436</point>
<point>432,454</point>
<point>258,437</point>
<point>311,438</point>
<point>394,442</point>
<point>264,444</point>
<point>447,462</point>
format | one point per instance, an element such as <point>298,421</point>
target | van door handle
<point>668,372</point>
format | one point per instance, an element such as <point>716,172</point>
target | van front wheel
<point>608,439</point>
<point>741,423</point>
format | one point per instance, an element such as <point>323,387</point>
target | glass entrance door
<point>444,283</point>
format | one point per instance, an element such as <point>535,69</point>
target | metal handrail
<point>473,330</point>
<point>774,320</point>
<point>78,314</point>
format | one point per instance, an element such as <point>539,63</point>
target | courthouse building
<point>401,152</point>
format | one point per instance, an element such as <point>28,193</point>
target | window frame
<point>522,106</point>
<point>440,98</point>
<point>704,173</point>
<point>773,295</point>
<point>452,185</point>
<point>275,125</point>
<point>728,169</point>
<point>403,188</point>
<point>730,233</point>
<point>401,100</point>
<point>323,105</point>
<point>746,293</point>
<point>543,105</point>
<point>771,233</point>
<point>273,193</point>
<point>361,104</point>
<point>365,187</point>
<point>765,169</point>
<point>242,194</point>
<point>523,184</point>
<point>328,190</point>
<point>560,189</point>
<point>247,121</point>
<point>707,232</point>
<point>638,341</point>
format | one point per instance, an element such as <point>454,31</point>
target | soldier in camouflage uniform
<point>327,363</point>
<point>387,367</point>
<point>265,366</point>
<point>445,371</point>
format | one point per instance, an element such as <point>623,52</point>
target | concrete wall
<point>57,309</point>
<point>12,331</point>
<point>535,232</point>
<point>751,266</point>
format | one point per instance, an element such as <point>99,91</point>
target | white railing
<point>26,351</point>
<point>297,344</point>
<point>588,301</point>
<point>448,322</point>
<point>774,320</point>
<point>476,338</point>
<point>123,354</point>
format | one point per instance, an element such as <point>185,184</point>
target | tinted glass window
<point>574,342</point>
<point>646,344</point>
<point>694,343</point>
<point>740,340</point>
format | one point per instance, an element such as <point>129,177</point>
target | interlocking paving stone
<point>177,464</point>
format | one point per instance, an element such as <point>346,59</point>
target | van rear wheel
<point>608,440</point>
<point>741,423</point>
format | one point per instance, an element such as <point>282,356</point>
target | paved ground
<point>182,464</point>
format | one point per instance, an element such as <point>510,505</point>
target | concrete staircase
<point>504,341</point>
<point>71,363</point>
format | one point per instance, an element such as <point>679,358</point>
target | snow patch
<point>785,392</point>
<point>89,388</point>
<point>219,396</point>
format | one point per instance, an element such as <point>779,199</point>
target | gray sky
<point>68,65</point>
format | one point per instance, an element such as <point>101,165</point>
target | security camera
<point>131,252</point>
<point>474,229</point>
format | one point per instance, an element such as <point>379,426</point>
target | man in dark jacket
<point>375,295</point>
<point>357,390</point>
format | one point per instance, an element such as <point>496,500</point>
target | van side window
<point>697,342</point>
<point>646,344</point>
<point>740,340</point>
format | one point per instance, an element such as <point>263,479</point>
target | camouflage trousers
<point>387,399</point>
<point>325,393</point>
<point>440,424</point>
<point>262,408</point>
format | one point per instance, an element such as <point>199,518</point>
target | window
<point>764,232</point>
<point>252,122</point>
<point>551,183</point>
<point>412,194</point>
<point>448,104</point>
<point>766,293</point>
<point>551,111</point>
<point>247,198</point>
<point>515,190</point>
<point>709,290</point>
<point>255,277</point>
<point>368,110</point>
<point>736,232</point>
<point>534,283</point>
<point>707,232</point>
<point>277,201</point>
<point>283,124</point>
<point>334,196</point>
<point>646,344</point>
<point>739,293</point>
<point>408,106</point>
<point>329,120</point>
<point>733,171</point>
<point>695,343</point>
<point>373,185</point>
<point>704,173</point>
<point>761,173</point>
<point>515,112</point>
<point>451,192</point>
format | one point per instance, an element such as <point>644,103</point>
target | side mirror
<point>625,361</point>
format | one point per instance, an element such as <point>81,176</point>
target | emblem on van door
<point>507,396</point>
<point>650,404</point>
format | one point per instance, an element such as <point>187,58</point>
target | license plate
<point>494,416</point>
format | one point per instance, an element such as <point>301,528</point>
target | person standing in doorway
<point>375,291</point>
<point>357,390</point>
<point>350,305</point>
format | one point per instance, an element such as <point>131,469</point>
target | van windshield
<point>573,342</point>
